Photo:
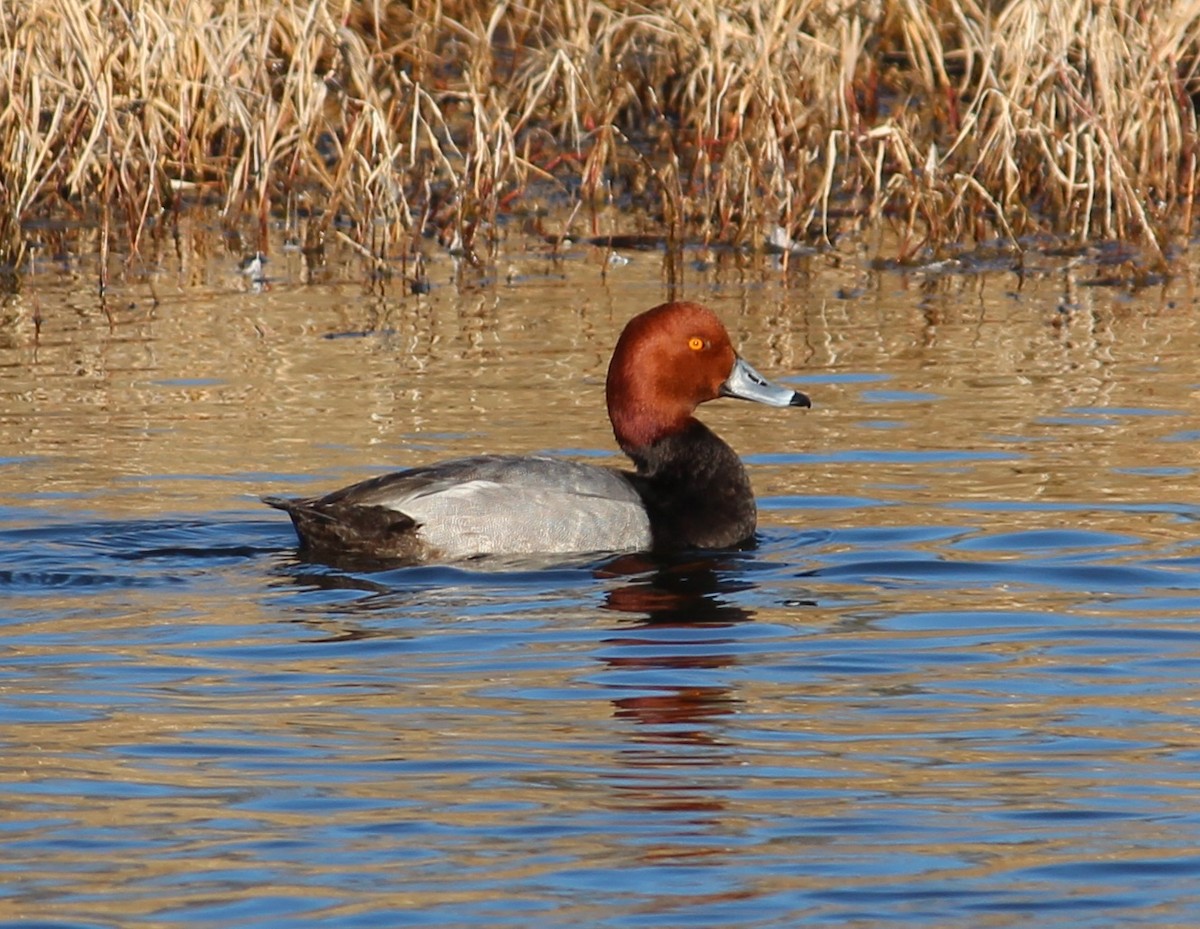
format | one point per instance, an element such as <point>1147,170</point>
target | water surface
<point>953,685</point>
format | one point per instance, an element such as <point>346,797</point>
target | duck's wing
<point>474,506</point>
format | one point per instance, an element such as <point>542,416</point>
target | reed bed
<point>746,123</point>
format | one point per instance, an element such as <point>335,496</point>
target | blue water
<point>912,725</point>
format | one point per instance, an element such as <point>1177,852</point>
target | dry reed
<point>958,121</point>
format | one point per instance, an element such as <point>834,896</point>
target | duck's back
<point>490,504</point>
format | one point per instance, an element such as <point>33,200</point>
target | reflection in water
<point>684,589</point>
<point>684,592</point>
<point>684,612</point>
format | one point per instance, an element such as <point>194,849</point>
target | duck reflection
<point>682,620</point>
<point>667,663</point>
<point>684,591</point>
<point>671,655</point>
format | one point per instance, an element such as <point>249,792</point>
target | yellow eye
<point>695,343</point>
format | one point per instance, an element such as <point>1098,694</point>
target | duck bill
<point>747,384</point>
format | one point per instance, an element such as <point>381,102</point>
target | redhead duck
<point>689,489</point>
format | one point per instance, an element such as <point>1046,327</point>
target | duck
<point>688,489</point>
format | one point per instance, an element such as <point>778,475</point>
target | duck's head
<point>668,361</point>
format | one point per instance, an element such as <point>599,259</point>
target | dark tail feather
<point>287,504</point>
<point>340,529</point>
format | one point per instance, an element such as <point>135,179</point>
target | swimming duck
<point>689,489</point>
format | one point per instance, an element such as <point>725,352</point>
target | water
<point>954,684</point>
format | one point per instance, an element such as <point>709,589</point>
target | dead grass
<point>957,121</point>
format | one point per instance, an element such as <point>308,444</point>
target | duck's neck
<point>638,427</point>
<point>695,489</point>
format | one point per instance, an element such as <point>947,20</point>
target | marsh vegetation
<point>1033,123</point>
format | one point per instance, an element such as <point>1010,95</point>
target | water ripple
<point>889,724</point>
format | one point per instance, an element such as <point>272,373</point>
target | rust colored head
<point>668,361</point>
